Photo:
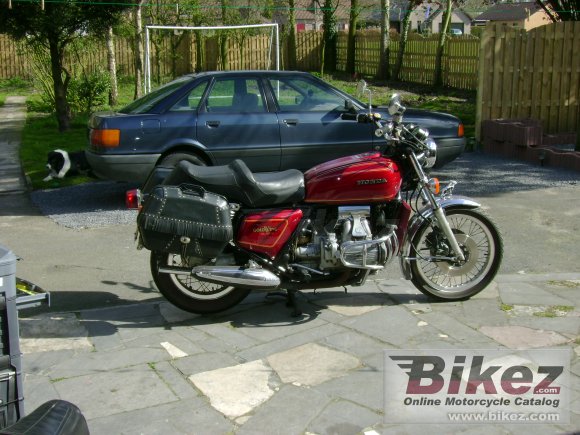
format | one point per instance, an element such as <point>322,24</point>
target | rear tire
<point>189,293</point>
<point>482,246</point>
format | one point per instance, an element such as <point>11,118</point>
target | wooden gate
<point>533,74</point>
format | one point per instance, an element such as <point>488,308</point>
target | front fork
<point>438,212</point>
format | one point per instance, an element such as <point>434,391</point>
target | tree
<point>112,63</point>
<point>329,35</point>
<point>406,23</point>
<point>351,45</point>
<point>438,80</point>
<point>55,28</point>
<point>561,10</point>
<point>138,47</point>
<point>291,35</point>
<point>384,70</point>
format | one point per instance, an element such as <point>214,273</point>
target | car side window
<point>304,95</point>
<point>235,95</point>
<point>191,101</point>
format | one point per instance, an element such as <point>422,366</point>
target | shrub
<point>88,92</point>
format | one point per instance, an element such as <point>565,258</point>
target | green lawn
<point>456,102</point>
<point>41,135</point>
<point>16,86</point>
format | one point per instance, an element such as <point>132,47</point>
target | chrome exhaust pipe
<point>250,277</point>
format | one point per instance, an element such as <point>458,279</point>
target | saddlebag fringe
<point>193,229</point>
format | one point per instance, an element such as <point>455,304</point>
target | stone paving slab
<point>311,364</point>
<point>521,293</point>
<point>12,118</point>
<point>115,391</point>
<point>256,370</point>
<point>183,417</point>
<point>395,325</point>
<point>288,412</point>
<point>343,418</point>
<point>236,390</point>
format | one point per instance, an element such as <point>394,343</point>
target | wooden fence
<point>460,58</point>
<point>533,74</point>
<point>459,64</point>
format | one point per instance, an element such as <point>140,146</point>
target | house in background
<point>525,15</point>
<point>428,18</point>
<point>309,16</point>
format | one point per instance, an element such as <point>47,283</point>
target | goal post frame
<point>147,81</point>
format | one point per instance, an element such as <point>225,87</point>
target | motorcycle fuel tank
<point>359,179</point>
<point>267,231</point>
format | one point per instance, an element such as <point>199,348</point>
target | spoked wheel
<point>481,244</point>
<point>187,292</point>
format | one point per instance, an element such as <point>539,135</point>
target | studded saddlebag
<point>185,220</point>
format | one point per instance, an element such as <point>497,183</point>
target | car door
<point>311,129</point>
<point>234,122</point>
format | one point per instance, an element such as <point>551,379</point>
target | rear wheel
<point>481,244</point>
<point>189,293</point>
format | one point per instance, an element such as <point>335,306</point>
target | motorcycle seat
<point>56,417</point>
<point>237,183</point>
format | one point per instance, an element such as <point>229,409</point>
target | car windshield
<point>146,102</point>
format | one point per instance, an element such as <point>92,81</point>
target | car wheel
<point>174,158</point>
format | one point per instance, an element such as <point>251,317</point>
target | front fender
<point>419,219</point>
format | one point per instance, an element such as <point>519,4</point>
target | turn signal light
<point>105,138</point>
<point>460,130</point>
<point>434,185</point>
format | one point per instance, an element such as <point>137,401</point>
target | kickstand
<point>290,296</point>
<point>291,302</point>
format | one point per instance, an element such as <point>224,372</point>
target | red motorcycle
<point>217,233</point>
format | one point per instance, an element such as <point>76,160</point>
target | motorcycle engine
<point>345,240</point>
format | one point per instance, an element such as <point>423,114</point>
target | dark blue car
<point>273,120</point>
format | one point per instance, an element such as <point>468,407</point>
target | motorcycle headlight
<point>430,154</point>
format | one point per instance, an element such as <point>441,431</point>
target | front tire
<point>482,247</point>
<point>189,293</point>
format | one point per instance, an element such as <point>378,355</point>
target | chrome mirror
<point>361,89</point>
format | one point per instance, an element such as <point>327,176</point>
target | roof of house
<point>437,8</point>
<point>509,12</point>
<point>308,10</point>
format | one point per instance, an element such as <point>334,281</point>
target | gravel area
<point>87,205</point>
<point>481,175</point>
<point>103,203</point>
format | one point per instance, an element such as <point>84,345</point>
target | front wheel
<point>482,247</point>
<point>187,292</point>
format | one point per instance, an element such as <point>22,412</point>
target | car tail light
<point>133,199</point>
<point>460,131</point>
<point>106,138</point>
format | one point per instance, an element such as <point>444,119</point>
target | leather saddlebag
<point>185,220</point>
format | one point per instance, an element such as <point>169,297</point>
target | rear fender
<point>419,219</point>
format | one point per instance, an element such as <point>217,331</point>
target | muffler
<point>249,277</point>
